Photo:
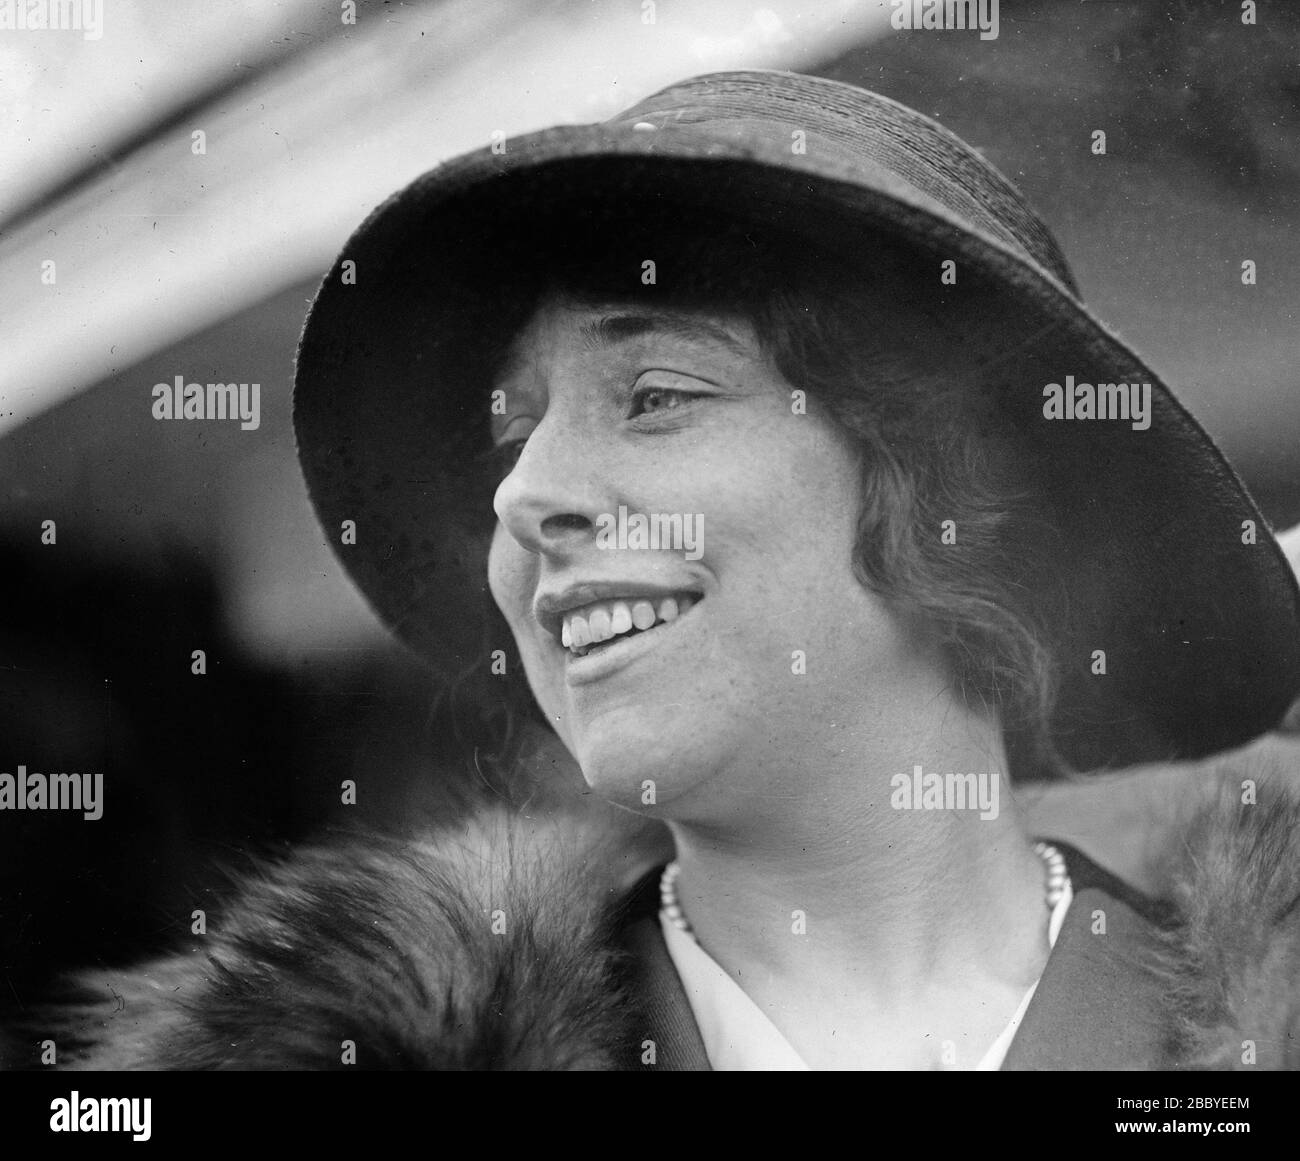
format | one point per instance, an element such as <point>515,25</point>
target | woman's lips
<point>594,662</point>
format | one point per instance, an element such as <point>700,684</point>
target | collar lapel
<point>1098,1004</point>
<point>665,1016</point>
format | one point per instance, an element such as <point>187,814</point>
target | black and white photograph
<point>650,535</point>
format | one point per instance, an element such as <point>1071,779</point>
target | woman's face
<point>736,634</point>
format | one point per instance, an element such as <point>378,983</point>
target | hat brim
<point>1200,627</point>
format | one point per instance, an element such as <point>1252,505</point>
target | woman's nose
<point>550,501</point>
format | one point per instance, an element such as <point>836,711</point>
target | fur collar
<point>490,947</point>
<point>497,946</point>
<point>1231,962</point>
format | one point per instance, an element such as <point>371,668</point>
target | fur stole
<point>495,946</point>
<point>488,947</point>
<point>1231,961</point>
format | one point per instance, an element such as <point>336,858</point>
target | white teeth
<point>602,621</point>
<point>620,617</point>
<point>599,622</point>
<point>581,635</point>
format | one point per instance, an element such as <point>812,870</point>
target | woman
<point>762,450</point>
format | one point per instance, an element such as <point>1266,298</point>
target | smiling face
<point>689,665</point>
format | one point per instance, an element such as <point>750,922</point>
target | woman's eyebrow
<point>618,328</point>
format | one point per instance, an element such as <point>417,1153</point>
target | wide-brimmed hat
<point>1157,566</point>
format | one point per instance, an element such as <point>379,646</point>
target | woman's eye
<point>509,445</point>
<point>507,453</point>
<point>649,400</point>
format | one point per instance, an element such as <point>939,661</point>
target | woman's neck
<point>874,924</point>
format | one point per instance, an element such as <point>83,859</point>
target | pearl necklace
<point>1053,861</point>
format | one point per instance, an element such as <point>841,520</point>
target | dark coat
<point>489,947</point>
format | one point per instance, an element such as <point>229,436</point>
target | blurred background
<point>177,536</point>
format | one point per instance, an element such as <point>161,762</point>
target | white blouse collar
<point>739,1037</point>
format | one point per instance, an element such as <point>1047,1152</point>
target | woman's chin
<point>637,774</point>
